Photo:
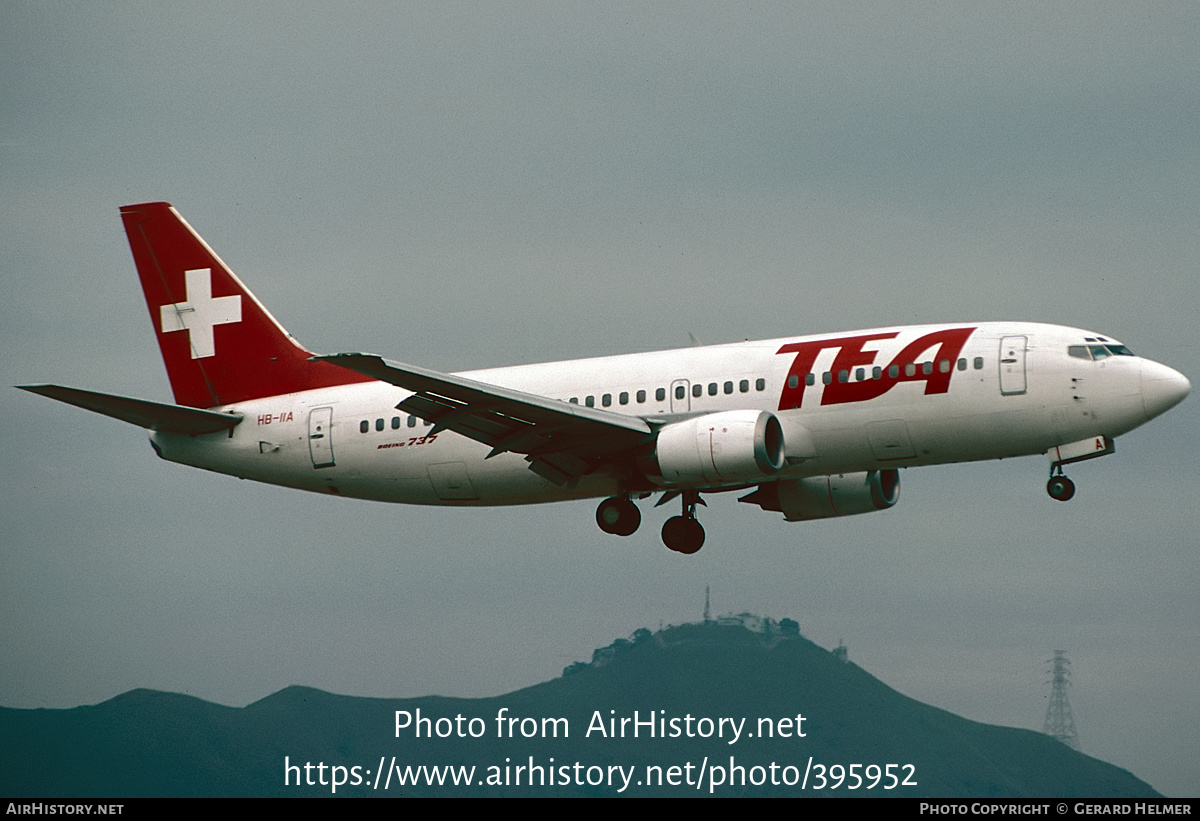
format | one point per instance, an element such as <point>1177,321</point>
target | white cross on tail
<point>200,313</point>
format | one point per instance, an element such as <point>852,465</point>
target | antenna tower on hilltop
<point>707,609</point>
<point>1059,721</point>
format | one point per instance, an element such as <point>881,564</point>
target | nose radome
<point>1162,388</point>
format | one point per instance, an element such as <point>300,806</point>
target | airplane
<point>810,427</point>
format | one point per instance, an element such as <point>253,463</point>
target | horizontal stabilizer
<point>140,412</point>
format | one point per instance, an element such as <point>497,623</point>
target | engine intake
<point>823,497</point>
<point>727,448</point>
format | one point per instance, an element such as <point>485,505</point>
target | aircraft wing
<point>561,441</point>
<point>140,412</point>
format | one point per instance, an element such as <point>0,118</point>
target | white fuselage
<point>1011,390</point>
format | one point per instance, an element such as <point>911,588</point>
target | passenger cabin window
<point>712,388</point>
<point>364,426</point>
<point>979,363</point>
<point>728,387</point>
<point>590,401</point>
<point>606,400</point>
<point>641,397</point>
<point>412,421</point>
<point>962,364</point>
<point>793,381</point>
<point>395,423</point>
<point>744,386</point>
<point>378,424</point>
<point>893,371</point>
<point>760,384</point>
<point>660,394</point>
<point>680,392</point>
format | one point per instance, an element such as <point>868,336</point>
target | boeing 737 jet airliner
<point>810,426</point>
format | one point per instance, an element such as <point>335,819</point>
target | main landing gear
<point>1059,487</point>
<point>683,534</point>
<point>618,516</point>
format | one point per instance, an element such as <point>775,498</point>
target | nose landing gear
<point>1059,487</point>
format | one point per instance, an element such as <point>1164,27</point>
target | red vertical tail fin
<point>220,345</point>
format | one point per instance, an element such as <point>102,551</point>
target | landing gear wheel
<point>1060,488</point>
<point>683,534</point>
<point>618,516</point>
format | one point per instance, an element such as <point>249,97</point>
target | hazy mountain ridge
<point>151,743</point>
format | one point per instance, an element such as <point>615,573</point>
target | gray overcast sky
<point>466,185</point>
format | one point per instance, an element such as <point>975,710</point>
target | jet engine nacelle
<point>731,447</point>
<point>823,497</point>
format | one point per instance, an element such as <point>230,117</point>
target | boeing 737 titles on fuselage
<point>810,427</point>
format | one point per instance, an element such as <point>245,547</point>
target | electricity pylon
<point>1059,721</point>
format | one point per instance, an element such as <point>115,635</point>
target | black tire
<point>618,516</point>
<point>683,534</point>
<point>1060,488</point>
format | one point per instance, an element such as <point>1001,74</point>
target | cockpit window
<point>1098,352</point>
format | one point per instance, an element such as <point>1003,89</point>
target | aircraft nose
<point>1162,388</point>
